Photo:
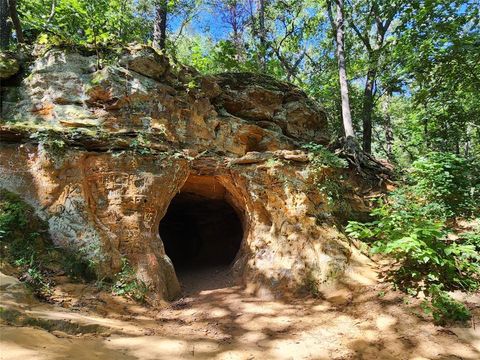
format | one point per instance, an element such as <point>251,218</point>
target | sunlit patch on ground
<point>224,322</point>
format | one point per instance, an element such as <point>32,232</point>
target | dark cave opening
<point>200,232</point>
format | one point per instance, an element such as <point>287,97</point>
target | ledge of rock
<point>101,153</point>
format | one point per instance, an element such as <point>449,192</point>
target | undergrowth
<point>23,243</point>
<point>26,245</point>
<point>416,225</point>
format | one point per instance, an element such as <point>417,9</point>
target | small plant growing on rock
<point>126,284</point>
<point>322,158</point>
<point>325,171</point>
<point>140,145</point>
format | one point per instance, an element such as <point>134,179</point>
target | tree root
<point>365,164</point>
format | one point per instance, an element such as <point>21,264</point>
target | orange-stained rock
<point>117,144</point>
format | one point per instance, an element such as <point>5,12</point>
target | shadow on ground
<point>224,322</point>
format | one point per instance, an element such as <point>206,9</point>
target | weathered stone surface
<point>145,61</point>
<point>123,140</point>
<point>263,100</point>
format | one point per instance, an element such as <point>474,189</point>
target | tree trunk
<point>342,71</point>
<point>5,26</point>
<point>425,132</point>
<point>160,25</point>
<point>12,4</point>
<point>236,29</point>
<point>388,127</point>
<point>52,11</point>
<point>263,34</point>
<point>367,111</point>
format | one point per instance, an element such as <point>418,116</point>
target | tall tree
<point>263,34</point>
<point>12,4</point>
<point>160,24</point>
<point>438,51</point>
<point>234,13</point>
<point>5,25</point>
<point>338,25</point>
<point>292,24</point>
<point>370,21</point>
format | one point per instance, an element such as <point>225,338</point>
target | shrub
<point>321,157</point>
<point>419,244</point>
<point>448,180</point>
<point>19,236</point>
<point>21,242</point>
<point>444,308</point>
<point>411,226</point>
<point>325,170</point>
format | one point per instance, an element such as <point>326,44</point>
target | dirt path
<point>224,322</point>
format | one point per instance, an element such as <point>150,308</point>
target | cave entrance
<point>201,233</point>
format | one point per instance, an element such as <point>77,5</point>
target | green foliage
<point>83,22</point>
<point>437,53</point>
<point>20,242</point>
<point>18,236</point>
<point>425,257</point>
<point>444,308</point>
<point>140,145</point>
<point>450,181</point>
<point>321,157</point>
<point>127,284</point>
<point>24,243</point>
<point>52,143</point>
<point>411,227</point>
<point>37,281</point>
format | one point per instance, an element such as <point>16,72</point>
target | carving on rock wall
<point>121,210</point>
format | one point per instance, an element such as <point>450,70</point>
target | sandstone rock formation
<point>101,153</point>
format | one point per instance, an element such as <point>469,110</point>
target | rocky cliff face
<point>101,153</point>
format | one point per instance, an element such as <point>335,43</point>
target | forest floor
<point>363,319</point>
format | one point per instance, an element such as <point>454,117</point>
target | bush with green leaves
<point>83,22</point>
<point>424,254</point>
<point>448,180</point>
<point>413,226</point>
<point>443,307</point>
<point>427,262</point>
<point>21,242</point>
<point>19,237</point>
<point>322,158</point>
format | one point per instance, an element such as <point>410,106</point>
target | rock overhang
<point>142,92</point>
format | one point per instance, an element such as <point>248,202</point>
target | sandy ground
<point>362,319</point>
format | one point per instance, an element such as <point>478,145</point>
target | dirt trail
<point>357,321</point>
